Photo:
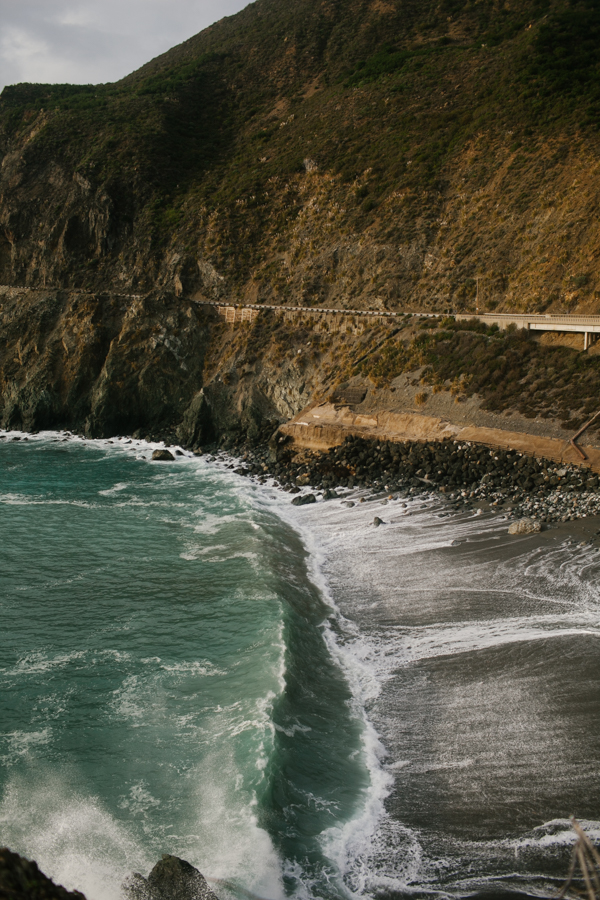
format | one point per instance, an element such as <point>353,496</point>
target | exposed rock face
<point>304,500</point>
<point>97,363</point>
<point>21,879</point>
<point>104,364</point>
<point>170,879</point>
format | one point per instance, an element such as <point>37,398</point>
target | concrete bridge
<point>336,319</point>
<point>340,319</point>
<point>588,326</point>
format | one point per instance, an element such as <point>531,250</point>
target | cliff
<point>349,153</point>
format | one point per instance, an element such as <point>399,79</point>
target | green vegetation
<point>386,61</point>
<point>388,101</point>
<point>507,369</point>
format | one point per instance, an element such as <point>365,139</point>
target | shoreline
<point>438,507</point>
<point>401,622</point>
<point>470,476</point>
<point>272,503</point>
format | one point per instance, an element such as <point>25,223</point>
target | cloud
<point>95,41</point>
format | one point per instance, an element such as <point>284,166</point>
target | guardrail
<point>588,326</point>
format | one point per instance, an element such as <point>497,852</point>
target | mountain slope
<point>355,153</point>
<point>407,154</point>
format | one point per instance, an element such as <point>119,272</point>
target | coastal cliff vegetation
<point>356,153</point>
<point>425,156</point>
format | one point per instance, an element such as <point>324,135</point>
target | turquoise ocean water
<point>166,684</point>
<point>298,703</point>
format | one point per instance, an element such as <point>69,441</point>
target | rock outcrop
<point>162,455</point>
<point>524,526</point>
<point>170,879</point>
<point>100,364</point>
<point>20,879</point>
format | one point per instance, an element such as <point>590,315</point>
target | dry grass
<point>587,858</point>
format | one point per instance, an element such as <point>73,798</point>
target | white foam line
<point>328,529</point>
<point>346,843</point>
<point>468,637</point>
<point>130,446</point>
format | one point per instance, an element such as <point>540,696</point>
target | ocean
<point>298,703</point>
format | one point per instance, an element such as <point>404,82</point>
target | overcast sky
<point>94,41</point>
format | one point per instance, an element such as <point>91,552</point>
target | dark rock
<point>197,426</point>
<point>329,495</point>
<point>304,500</point>
<point>163,455</point>
<point>377,522</point>
<point>170,879</point>
<point>21,879</point>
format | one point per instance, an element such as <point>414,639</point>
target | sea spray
<point>415,715</point>
<point>166,683</point>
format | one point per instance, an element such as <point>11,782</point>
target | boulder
<point>304,499</point>
<point>170,879</point>
<point>377,522</point>
<point>21,879</point>
<point>163,456</point>
<point>524,526</point>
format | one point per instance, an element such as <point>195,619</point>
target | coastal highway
<point>588,326</point>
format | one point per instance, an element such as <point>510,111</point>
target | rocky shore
<point>20,879</point>
<point>471,476</point>
<point>171,878</point>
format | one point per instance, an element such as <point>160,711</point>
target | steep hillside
<point>404,154</point>
<point>387,153</point>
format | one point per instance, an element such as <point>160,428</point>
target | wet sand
<point>485,648</point>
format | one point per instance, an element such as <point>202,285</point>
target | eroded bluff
<point>106,364</point>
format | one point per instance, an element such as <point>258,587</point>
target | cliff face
<point>158,365</point>
<point>98,363</point>
<point>348,152</point>
<point>352,153</point>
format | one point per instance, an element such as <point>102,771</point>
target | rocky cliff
<point>350,152</point>
<point>170,879</point>
<point>428,155</point>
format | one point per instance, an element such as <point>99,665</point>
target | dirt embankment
<point>324,425</point>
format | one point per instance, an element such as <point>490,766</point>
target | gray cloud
<point>95,41</point>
